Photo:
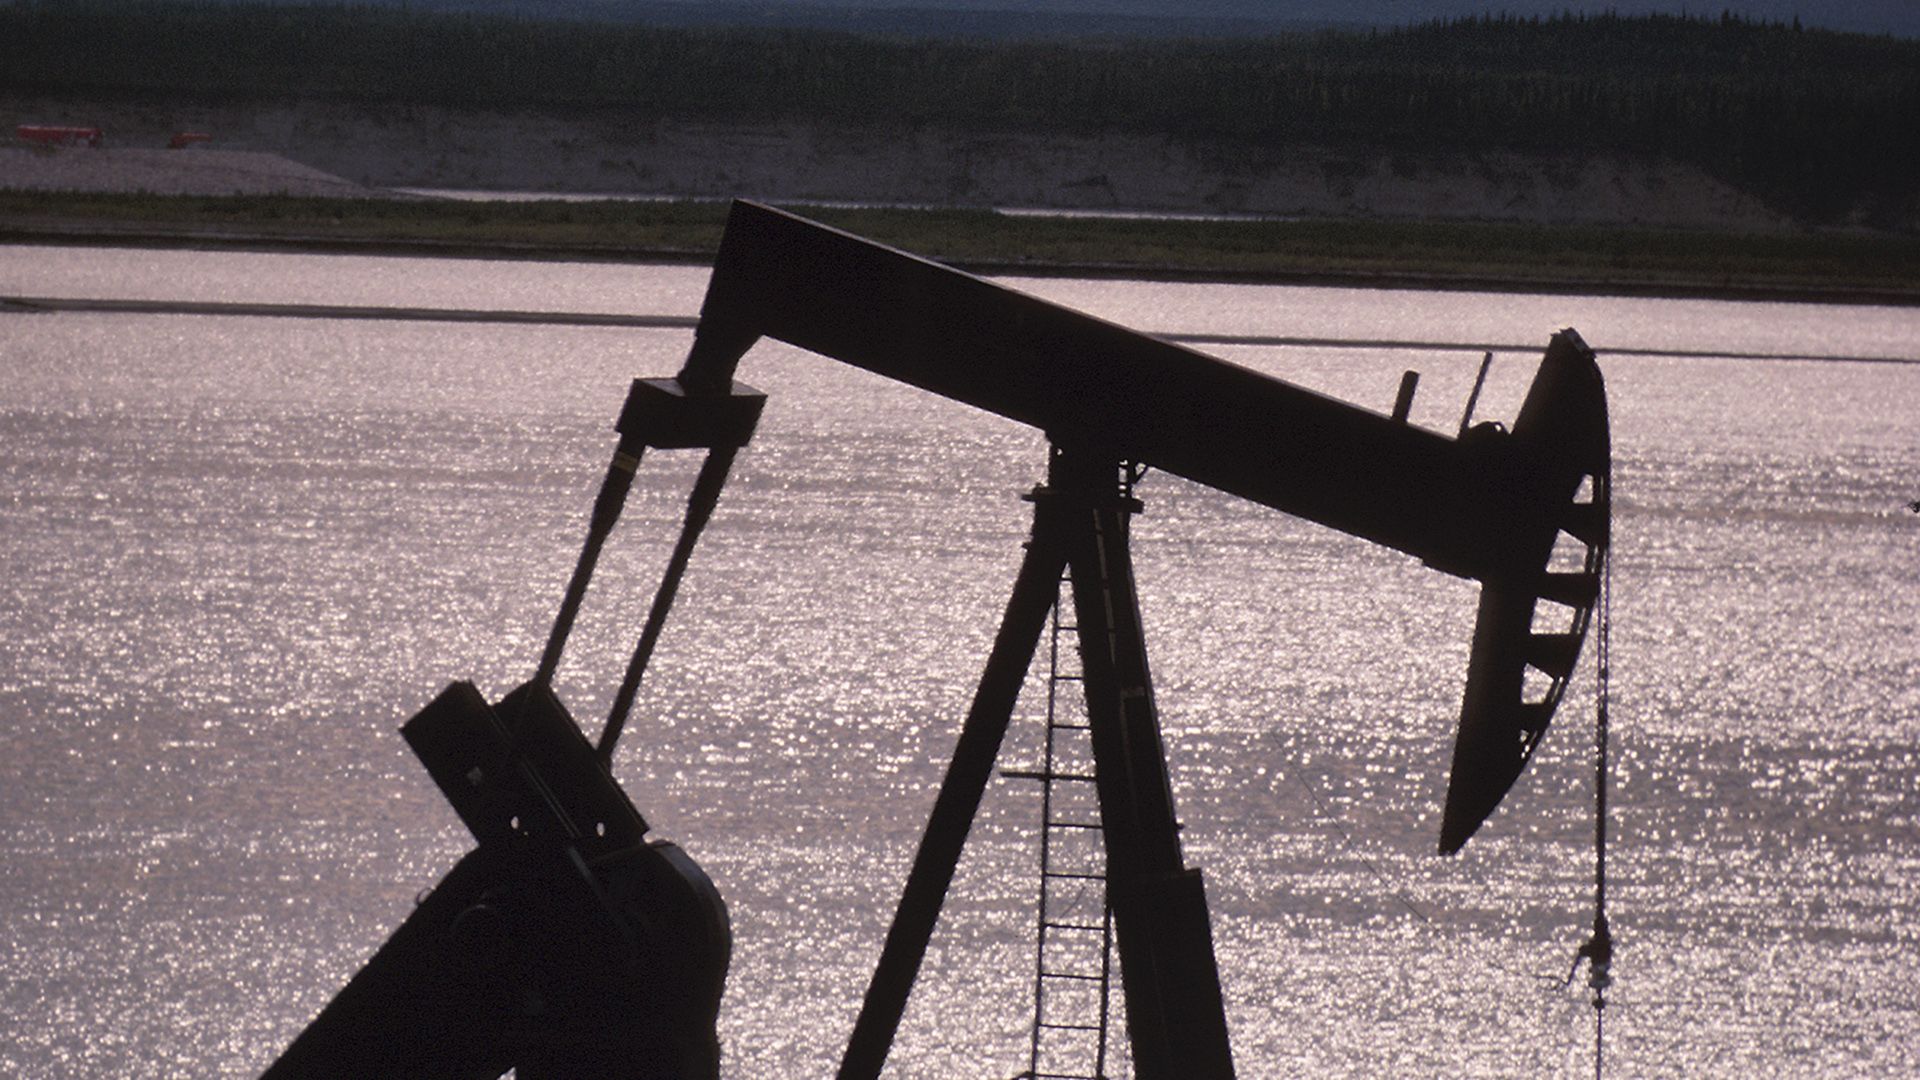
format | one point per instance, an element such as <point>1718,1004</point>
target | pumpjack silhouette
<point>567,944</point>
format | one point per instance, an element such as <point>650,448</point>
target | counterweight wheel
<point>1537,602</point>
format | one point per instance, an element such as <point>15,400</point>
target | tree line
<point>1816,122</point>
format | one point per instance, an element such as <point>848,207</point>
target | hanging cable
<point>1598,950</point>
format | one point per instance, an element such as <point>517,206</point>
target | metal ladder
<point>1074,931</point>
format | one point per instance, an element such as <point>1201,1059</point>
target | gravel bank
<point>195,171</point>
<point>610,152</point>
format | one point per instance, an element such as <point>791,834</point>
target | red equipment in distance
<point>56,135</point>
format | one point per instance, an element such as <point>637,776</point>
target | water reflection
<point>238,552</point>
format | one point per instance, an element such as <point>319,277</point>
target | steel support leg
<point>1034,592</point>
<point>1176,1021</point>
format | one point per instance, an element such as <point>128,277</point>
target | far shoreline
<point>1837,294</point>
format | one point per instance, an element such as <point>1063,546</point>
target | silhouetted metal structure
<point>1492,506</point>
<point>566,945</point>
<point>1525,512</point>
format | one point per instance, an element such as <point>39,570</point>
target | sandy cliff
<point>167,172</point>
<point>613,153</point>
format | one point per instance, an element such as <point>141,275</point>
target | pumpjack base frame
<point>1176,1018</point>
<point>565,945</point>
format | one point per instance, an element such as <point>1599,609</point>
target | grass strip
<point>1826,265</point>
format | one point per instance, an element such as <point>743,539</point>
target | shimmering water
<point>236,553</point>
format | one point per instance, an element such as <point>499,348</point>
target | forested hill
<point>1819,124</point>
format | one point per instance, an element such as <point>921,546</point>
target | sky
<point>1897,17</point>
<point>1900,17</point>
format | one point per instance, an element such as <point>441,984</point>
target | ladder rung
<point>1068,950</point>
<point>1091,927</point>
<point>1041,774</point>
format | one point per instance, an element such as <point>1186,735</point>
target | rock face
<point>609,152</point>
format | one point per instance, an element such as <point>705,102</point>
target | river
<point>237,552</point>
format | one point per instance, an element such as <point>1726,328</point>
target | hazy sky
<point>1875,16</point>
<point>1899,17</point>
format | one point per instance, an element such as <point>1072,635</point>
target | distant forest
<point>1817,123</point>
